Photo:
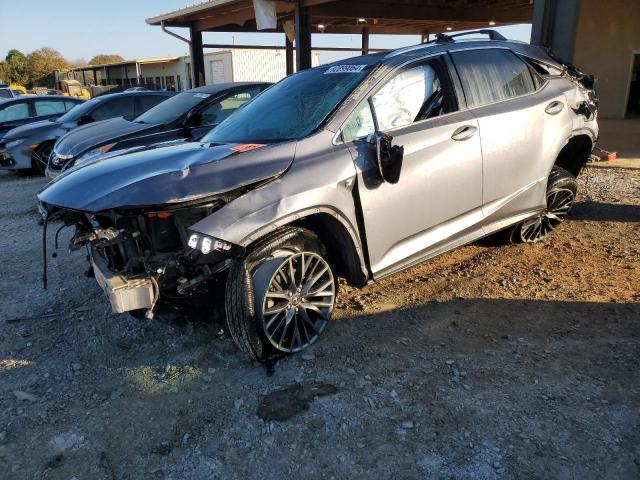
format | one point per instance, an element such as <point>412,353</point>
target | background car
<point>28,109</point>
<point>28,147</point>
<point>5,91</point>
<point>189,114</point>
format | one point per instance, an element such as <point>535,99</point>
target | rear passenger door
<point>48,108</point>
<point>518,124</point>
<point>439,195</point>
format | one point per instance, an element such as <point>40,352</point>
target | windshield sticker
<point>202,95</point>
<point>345,69</point>
<point>245,147</point>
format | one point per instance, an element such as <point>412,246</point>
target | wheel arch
<point>335,232</point>
<point>574,154</point>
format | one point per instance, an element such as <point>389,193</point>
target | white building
<point>174,73</point>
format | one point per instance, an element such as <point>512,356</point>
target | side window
<point>360,124</point>
<point>69,105</point>
<point>492,75</point>
<point>414,94</point>
<point>118,107</point>
<point>150,101</point>
<point>17,111</point>
<point>49,107</point>
<point>218,111</point>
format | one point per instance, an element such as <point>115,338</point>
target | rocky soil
<point>489,362</point>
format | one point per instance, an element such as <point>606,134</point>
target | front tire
<point>40,158</point>
<point>562,188</point>
<point>280,297</point>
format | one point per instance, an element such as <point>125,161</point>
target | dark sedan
<point>29,146</point>
<point>18,111</point>
<point>188,115</point>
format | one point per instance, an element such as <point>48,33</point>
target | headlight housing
<point>95,153</point>
<point>207,244</point>
<point>14,143</point>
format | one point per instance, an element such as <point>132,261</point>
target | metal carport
<point>299,18</point>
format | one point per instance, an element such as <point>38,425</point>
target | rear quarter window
<point>492,75</point>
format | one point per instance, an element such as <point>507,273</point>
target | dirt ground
<point>490,362</point>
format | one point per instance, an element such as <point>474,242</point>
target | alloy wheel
<point>559,201</point>
<point>298,302</point>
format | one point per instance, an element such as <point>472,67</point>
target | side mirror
<point>84,119</point>
<point>194,119</point>
<point>389,157</point>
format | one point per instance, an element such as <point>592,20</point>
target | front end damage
<point>133,217</point>
<point>146,258</point>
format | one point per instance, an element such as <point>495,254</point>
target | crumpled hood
<point>163,176</point>
<point>30,129</point>
<point>88,137</point>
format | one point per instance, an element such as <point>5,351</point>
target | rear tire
<point>40,158</point>
<point>562,188</point>
<point>280,297</point>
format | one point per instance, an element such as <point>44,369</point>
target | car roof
<point>22,98</point>
<point>108,96</point>
<point>220,87</point>
<point>403,54</point>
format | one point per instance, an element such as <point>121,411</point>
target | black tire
<point>562,188</point>
<point>40,158</point>
<point>248,287</point>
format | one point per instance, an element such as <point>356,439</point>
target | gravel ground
<point>487,363</point>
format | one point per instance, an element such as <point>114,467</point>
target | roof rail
<point>446,38</point>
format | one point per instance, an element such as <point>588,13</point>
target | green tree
<point>103,59</point>
<point>43,62</point>
<point>4,76</point>
<point>16,67</point>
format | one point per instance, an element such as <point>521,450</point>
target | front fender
<point>315,183</point>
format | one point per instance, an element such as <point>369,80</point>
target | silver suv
<point>356,169</point>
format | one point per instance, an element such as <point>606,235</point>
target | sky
<point>81,29</point>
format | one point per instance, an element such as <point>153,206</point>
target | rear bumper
<point>124,294</point>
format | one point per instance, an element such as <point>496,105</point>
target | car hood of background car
<point>97,134</point>
<point>164,176</point>
<point>30,129</point>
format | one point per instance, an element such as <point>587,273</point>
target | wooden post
<point>288,54</point>
<point>197,57</point>
<point>365,40</point>
<point>303,36</point>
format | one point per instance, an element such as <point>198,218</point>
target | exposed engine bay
<point>140,256</point>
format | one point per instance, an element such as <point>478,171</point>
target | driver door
<point>438,198</point>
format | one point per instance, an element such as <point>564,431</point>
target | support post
<point>288,54</point>
<point>365,40</point>
<point>303,36</point>
<point>84,80</point>
<point>197,57</point>
<point>555,26</point>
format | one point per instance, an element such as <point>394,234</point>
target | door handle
<point>554,108</point>
<point>464,133</point>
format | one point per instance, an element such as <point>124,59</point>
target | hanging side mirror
<point>389,157</point>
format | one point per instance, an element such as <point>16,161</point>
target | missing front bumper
<point>125,294</point>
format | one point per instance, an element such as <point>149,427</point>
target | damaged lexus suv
<point>357,169</point>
